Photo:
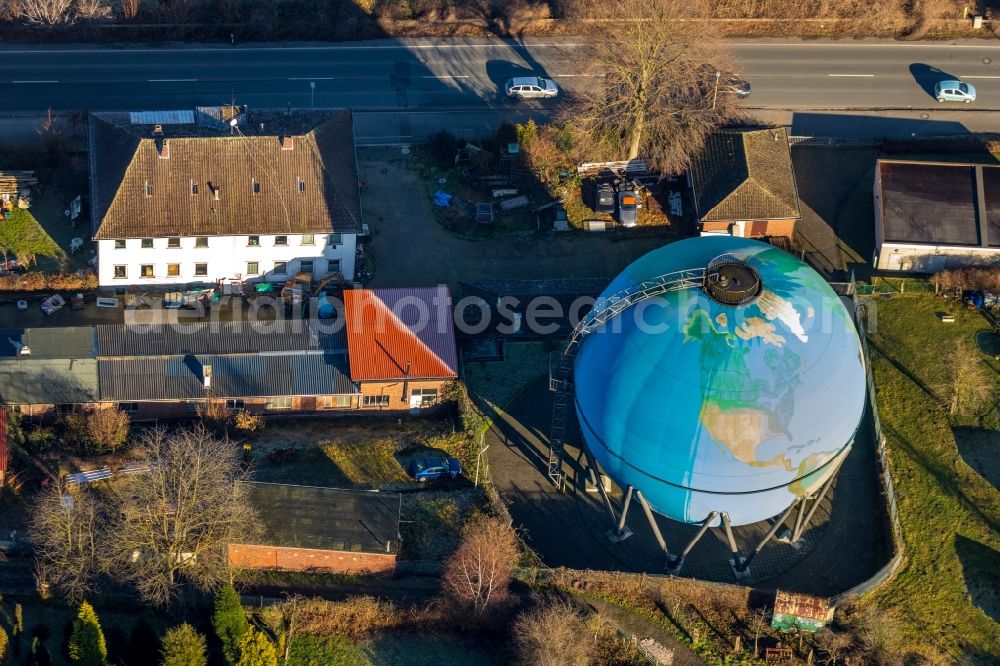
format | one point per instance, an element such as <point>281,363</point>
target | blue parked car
<point>426,469</point>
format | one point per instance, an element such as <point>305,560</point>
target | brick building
<point>323,530</point>
<point>401,345</point>
<point>386,350</point>
<point>744,184</point>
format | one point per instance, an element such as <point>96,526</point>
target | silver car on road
<point>530,87</point>
<point>955,91</point>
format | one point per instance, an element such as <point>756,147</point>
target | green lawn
<point>494,384</point>
<point>23,238</point>
<point>950,514</point>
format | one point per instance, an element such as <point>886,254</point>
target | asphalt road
<point>818,80</point>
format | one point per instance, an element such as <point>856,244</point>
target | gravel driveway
<point>412,249</point>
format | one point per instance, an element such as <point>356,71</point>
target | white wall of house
<point>914,258</point>
<point>211,258</point>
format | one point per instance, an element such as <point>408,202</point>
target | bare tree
<point>758,624</point>
<point>552,635</point>
<point>480,569</point>
<point>129,9</point>
<point>173,525</point>
<point>65,530</point>
<point>967,382</point>
<point>45,12</point>
<point>660,95</point>
<point>92,10</point>
<point>833,645</point>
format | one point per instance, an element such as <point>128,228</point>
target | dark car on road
<point>434,467</point>
<point>604,198</point>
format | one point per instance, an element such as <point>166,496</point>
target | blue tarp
<point>443,199</point>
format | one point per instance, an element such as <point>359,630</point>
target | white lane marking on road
<point>34,82</point>
<point>852,76</point>
<point>974,76</point>
<point>311,78</point>
<point>278,49</point>
<point>445,76</point>
<point>171,80</point>
<point>576,76</point>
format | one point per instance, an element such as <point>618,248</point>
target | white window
<point>174,243</point>
<point>280,267</point>
<point>253,268</point>
<point>201,241</point>
<point>279,403</point>
<point>121,272</point>
<point>281,240</point>
<point>306,266</point>
<point>128,407</point>
<point>308,239</point>
<point>376,401</point>
<point>235,404</point>
<point>200,270</point>
<point>119,245</point>
<point>146,270</point>
<point>336,402</point>
<point>427,396</point>
<point>334,239</point>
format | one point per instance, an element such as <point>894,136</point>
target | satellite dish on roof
<point>234,122</point>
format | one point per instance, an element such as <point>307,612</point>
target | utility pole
<point>715,93</point>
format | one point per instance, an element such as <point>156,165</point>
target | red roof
<point>3,441</point>
<point>400,334</point>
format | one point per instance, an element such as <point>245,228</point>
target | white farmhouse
<point>222,193</point>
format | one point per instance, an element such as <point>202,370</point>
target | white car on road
<point>530,87</point>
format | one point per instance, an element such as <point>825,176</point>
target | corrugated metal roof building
<point>48,366</point>
<point>400,334</point>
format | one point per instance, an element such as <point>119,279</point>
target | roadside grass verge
<point>23,238</point>
<point>944,504</point>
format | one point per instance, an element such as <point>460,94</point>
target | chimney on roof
<point>157,130</point>
<point>163,148</point>
<point>206,372</point>
<point>287,143</point>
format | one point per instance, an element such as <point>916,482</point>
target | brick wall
<point>395,392</point>
<point>755,228</point>
<point>305,559</point>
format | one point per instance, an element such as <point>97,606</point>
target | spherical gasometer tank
<point>739,396</point>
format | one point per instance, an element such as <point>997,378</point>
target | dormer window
<point>194,188</point>
<point>214,189</point>
<point>255,186</point>
<point>149,189</point>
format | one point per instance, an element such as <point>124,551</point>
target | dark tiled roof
<point>243,337</point>
<point>400,333</point>
<point>127,161</point>
<point>745,175</point>
<point>327,518</point>
<point>233,376</point>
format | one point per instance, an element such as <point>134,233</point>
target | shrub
<point>357,617</point>
<point>86,644</point>
<point>39,440</point>
<point>246,421</point>
<point>107,428</point>
<point>183,646</point>
<point>256,650</point>
<point>229,621</point>
<point>443,146</point>
<point>550,635</point>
